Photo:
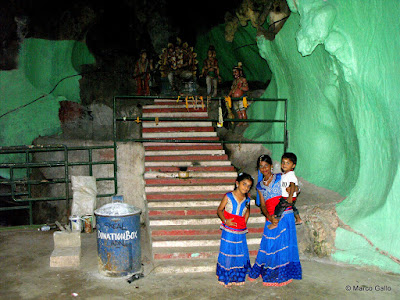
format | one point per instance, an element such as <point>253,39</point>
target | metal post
<point>12,182</point>
<point>115,148</point>
<point>285,138</point>
<point>66,168</point>
<point>28,175</point>
<point>90,161</point>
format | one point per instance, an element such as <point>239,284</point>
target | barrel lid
<point>117,209</point>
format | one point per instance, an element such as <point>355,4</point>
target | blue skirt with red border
<point>233,260</point>
<point>277,259</point>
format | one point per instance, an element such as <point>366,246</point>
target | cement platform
<point>25,274</point>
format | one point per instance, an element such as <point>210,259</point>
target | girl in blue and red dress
<point>234,211</point>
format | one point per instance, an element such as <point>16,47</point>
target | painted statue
<point>178,62</point>
<point>238,90</point>
<point>211,72</point>
<point>143,67</point>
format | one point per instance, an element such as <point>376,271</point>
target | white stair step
<point>199,243</point>
<point>206,227</point>
<point>174,105</point>
<point>186,266</point>
<point>175,114</point>
<point>185,152</point>
<point>183,204</point>
<point>155,143</point>
<point>203,221</point>
<point>169,135</point>
<point>152,124</point>
<point>208,204</point>
<point>183,188</point>
<point>152,175</point>
<point>181,100</point>
<point>206,163</point>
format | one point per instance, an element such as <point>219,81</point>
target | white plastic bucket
<point>75,223</point>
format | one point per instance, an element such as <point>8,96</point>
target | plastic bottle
<point>44,228</point>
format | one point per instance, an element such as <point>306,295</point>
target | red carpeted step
<point>200,138</point>
<point>194,196</point>
<point>179,129</point>
<point>172,110</point>
<point>178,117</point>
<point>178,148</point>
<point>186,255</point>
<point>199,231</point>
<point>180,102</point>
<point>193,255</point>
<point>189,181</point>
<point>169,102</point>
<point>182,212</point>
<point>186,157</point>
<point>191,169</point>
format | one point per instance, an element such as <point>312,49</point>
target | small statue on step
<point>143,67</point>
<point>238,90</point>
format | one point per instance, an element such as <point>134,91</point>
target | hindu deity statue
<point>211,71</point>
<point>143,67</point>
<point>238,90</point>
<point>178,63</point>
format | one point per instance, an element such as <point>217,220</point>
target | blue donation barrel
<point>118,239</point>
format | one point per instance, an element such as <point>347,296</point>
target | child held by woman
<point>289,182</point>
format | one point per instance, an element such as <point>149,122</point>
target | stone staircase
<point>182,211</point>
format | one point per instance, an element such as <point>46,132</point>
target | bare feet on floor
<point>299,221</point>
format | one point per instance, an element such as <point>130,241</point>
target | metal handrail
<point>197,120</point>
<point>198,141</point>
<point>196,98</point>
<point>28,150</point>
<point>28,165</point>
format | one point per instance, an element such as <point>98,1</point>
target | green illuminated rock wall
<point>42,64</point>
<point>337,64</point>
<point>242,49</point>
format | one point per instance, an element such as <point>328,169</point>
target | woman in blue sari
<point>277,261</point>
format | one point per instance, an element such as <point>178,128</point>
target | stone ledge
<point>63,239</point>
<point>67,257</point>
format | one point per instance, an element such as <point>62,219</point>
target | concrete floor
<point>25,274</point>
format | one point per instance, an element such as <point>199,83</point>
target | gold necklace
<point>265,181</point>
